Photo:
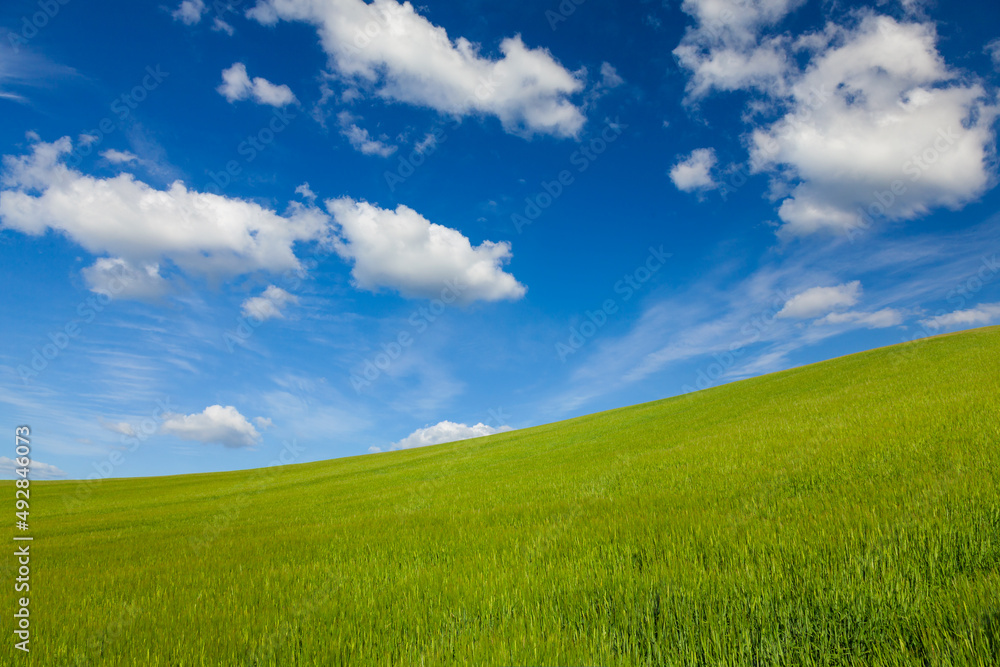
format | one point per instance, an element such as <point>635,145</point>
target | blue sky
<point>292,230</point>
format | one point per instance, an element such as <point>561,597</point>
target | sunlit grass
<point>845,513</point>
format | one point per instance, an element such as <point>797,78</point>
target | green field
<point>842,513</point>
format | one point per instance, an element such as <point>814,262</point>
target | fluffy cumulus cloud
<point>694,173</point>
<point>872,125</point>
<point>138,226</point>
<point>269,304</point>
<point>389,48</point>
<point>237,85</point>
<point>723,49</point>
<point>359,138</point>
<point>404,251</point>
<point>215,425</point>
<point>190,11</point>
<point>37,469</point>
<point>879,127</point>
<point>980,315</point>
<point>441,432</point>
<point>818,301</point>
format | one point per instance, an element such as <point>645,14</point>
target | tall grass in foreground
<point>845,513</point>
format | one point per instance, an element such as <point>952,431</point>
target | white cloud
<point>730,321</point>
<point>306,192</point>
<point>118,278</point>
<point>190,11</point>
<point>37,469</point>
<point>694,173</point>
<point>441,432</point>
<point>429,142</point>
<point>993,49</point>
<point>880,319</point>
<point>762,67</point>
<point>218,25</point>
<point>216,425</point>
<point>263,423</point>
<point>873,123</point>
<point>982,314</point>
<point>914,7</point>
<point>610,77</point>
<point>389,48</point>
<point>122,428</point>
<point>723,51</point>
<point>237,85</point>
<point>139,226</point>
<point>359,138</point>
<point>118,157</point>
<point>877,123</point>
<point>818,301</point>
<point>269,304</point>
<point>403,251</point>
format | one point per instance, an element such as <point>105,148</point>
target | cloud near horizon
<point>980,315</point>
<point>37,469</point>
<point>215,425</point>
<point>442,432</point>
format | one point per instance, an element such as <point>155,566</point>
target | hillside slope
<point>846,512</point>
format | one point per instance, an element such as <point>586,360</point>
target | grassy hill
<point>846,512</point>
